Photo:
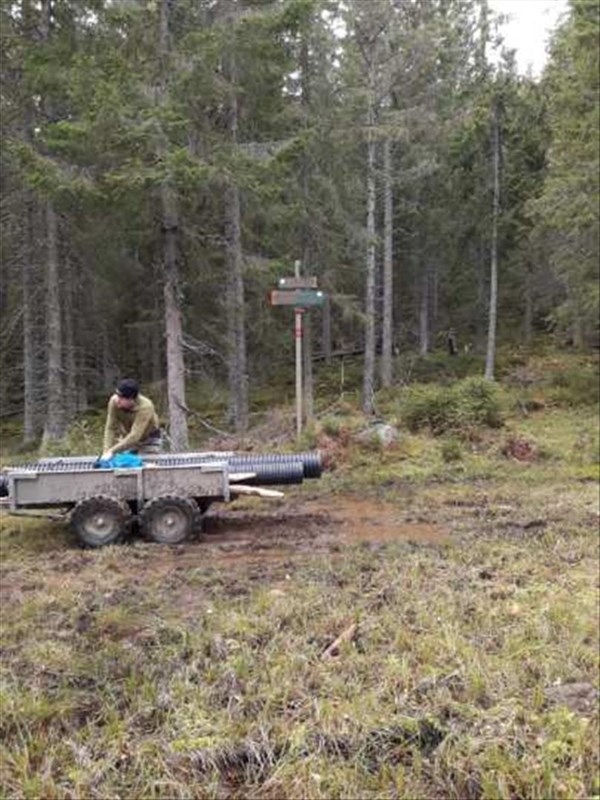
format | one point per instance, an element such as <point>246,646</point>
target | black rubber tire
<point>203,504</point>
<point>169,519</point>
<point>99,521</point>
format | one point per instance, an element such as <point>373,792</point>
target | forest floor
<point>465,590</point>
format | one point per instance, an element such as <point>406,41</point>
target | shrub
<point>331,426</point>
<point>471,402</point>
<point>451,450</point>
<point>576,386</point>
<point>477,401</point>
<point>429,406</point>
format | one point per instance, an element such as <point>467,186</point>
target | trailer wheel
<point>169,520</point>
<point>203,504</point>
<point>98,521</point>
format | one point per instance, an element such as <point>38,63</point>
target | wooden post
<point>301,293</point>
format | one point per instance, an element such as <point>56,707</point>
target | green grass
<point>198,671</point>
<point>111,686</point>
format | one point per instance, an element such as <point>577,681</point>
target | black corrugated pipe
<point>270,469</point>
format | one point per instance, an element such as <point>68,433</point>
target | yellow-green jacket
<point>126,429</point>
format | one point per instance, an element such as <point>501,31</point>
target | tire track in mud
<point>272,539</point>
<point>311,526</point>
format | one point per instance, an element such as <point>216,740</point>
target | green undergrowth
<point>439,393</point>
<point>465,405</point>
<point>554,444</point>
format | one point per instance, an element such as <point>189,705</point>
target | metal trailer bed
<point>166,496</point>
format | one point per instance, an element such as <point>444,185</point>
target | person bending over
<point>131,422</point>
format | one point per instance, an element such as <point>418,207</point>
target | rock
<point>382,432</point>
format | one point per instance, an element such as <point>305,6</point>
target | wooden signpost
<point>302,282</point>
<point>300,292</point>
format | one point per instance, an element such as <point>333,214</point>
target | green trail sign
<point>299,298</point>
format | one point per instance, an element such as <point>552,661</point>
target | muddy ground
<point>271,537</point>
<point>265,541</point>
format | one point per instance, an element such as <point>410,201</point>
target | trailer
<point>166,496</point>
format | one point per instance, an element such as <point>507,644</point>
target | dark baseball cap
<point>128,388</point>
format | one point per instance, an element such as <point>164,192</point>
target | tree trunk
<point>29,287</point>
<point>178,428</point>
<point>54,425</point>
<point>55,418</point>
<point>236,328</point>
<point>326,329</point>
<point>109,376</point>
<point>435,300</point>
<point>81,353</point>
<point>71,400</point>
<point>491,341</point>
<point>482,299</point>
<point>369,364</point>
<point>236,318</point>
<point>307,348</point>
<point>388,279</point>
<point>528,316</point>
<point>576,328</point>
<point>424,313</point>
<point>156,339</point>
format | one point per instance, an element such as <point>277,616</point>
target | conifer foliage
<point>164,162</point>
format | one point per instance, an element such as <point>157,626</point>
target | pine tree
<point>567,211</point>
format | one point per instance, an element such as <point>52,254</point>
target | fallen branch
<point>346,636</point>
<point>205,422</point>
